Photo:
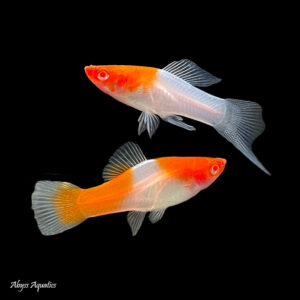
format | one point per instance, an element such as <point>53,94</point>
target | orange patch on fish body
<point>106,198</point>
<point>179,167</point>
<point>199,169</point>
<point>140,77</point>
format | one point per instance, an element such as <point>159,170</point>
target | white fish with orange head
<point>170,94</point>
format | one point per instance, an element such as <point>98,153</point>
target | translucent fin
<point>55,206</point>
<point>126,157</point>
<point>156,215</point>
<point>242,124</point>
<point>192,73</point>
<point>135,220</point>
<point>176,120</point>
<point>148,121</point>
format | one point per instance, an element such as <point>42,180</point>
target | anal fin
<point>135,220</point>
<point>176,120</point>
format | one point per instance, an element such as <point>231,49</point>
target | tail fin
<point>242,124</point>
<point>55,206</point>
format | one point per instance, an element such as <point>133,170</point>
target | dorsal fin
<point>127,156</point>
<point>192,73</point>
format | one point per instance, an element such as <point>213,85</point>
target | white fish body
<point>170,94</point>
<point>174,96</point>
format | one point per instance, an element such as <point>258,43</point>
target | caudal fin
<point>55,206</point>
<point>242,124</point>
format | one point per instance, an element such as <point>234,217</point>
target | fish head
<point>119,80</point>
<point>106,78</point>
<point>206,170</point>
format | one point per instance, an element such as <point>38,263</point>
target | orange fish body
<point>133,184</point>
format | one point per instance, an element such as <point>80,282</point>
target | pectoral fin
<point>148,121</point>
<point>156,215</point>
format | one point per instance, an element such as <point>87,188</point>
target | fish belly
<point>140,100</point>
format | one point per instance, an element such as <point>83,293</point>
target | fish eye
<point>214,169</point>
<point>102,75</point>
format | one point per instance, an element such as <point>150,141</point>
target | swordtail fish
<point>170,94</point>
<point>133,184</point>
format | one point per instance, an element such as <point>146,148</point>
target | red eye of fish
<point>103,75</point>
<point>214,169</point>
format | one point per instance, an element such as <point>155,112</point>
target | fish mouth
<point>89,70</point>
<point>223,162</point>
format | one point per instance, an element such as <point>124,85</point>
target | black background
<point>62,127</point>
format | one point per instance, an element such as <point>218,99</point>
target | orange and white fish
<point>170,93</point>
<point>134,184</point>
